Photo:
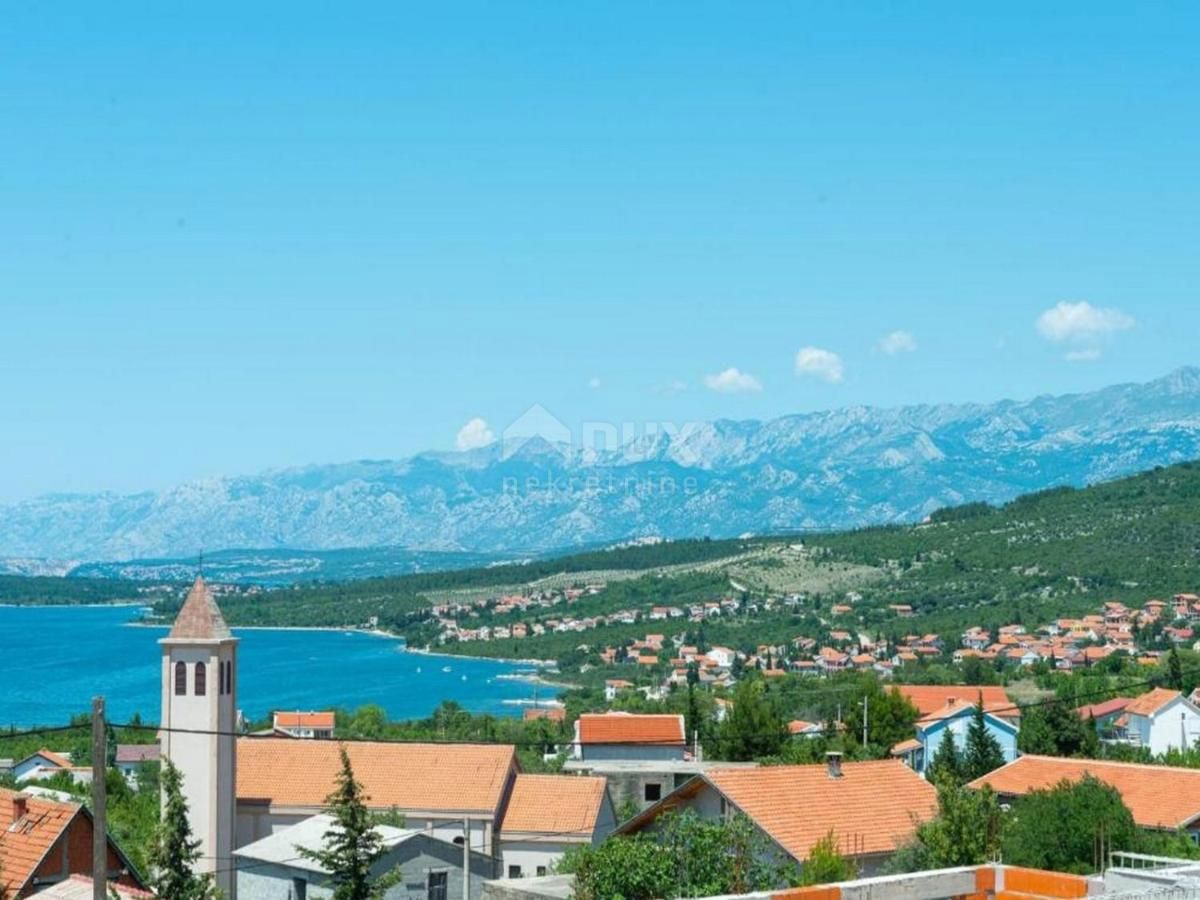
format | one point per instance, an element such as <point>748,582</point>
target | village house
<point>274,868</point>
<point>1164,798</point>
<point>1159,720</point>
<point>44,842</point>
<point>873,808</point>
<point>307,725</point>
<point>953,719</point>
<point>549,814</point>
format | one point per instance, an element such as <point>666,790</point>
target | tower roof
<point>200,619</point>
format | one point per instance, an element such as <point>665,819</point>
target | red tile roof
<point>322,720</point>
<point>929,698</point>
<point>1158,796</point>
<point>1104,708</point>
<point>562,805</point>
<point>873,807</point>
<point>630,728</point>
<point>437,777</point>
<point>1150,703</point>
<point>554,714</point>
<point>25,840</point>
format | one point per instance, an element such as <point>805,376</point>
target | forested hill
<point>1132,538</point>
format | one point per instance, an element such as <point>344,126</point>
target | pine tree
<point>352,846</point>
<point>175,853</point>
<point>1174,670</point>
<point>983,750</point>
<point>946,768</point>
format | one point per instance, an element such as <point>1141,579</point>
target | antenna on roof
<point>200,564</point>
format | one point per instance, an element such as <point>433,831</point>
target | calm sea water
<point>55,659</point>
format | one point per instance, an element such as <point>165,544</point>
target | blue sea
<point>55,659</point>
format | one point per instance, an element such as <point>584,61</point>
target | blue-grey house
<point>954,719</point>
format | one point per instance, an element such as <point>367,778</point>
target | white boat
<point>447,669</point>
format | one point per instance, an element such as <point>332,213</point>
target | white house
<point>40,765</point>
<point>722,656</point>
<point>275,868</point>
<point>309,725</point>
<point>549,814</point>
<point>1160,720</point>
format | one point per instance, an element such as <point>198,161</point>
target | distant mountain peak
<point>837,468</point>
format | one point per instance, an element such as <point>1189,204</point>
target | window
<point>541,870</point>
<point>437,886</point>
<point>229,677</point>
<point>514,871</point>
<point>221,678</point>
<point>201,680</point>
<point>180,679</point>
<point>299,889</point>
<point>652,793</point>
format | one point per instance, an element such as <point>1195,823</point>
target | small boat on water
<point>464,678</point>
<point>447,669</point>
<point>418,670</point>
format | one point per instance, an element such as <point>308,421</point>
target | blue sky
<point>257,235</point>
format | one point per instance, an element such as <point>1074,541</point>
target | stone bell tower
<point>199,715</point>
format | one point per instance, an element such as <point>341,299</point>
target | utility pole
<point>99,802</point>
<point>866,703</point>
<point>466,859</point>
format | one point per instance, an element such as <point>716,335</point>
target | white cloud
<point>1085,355</point>
<point>818,363</point>
<point>476,433</point>
<point>1081,323</point>
<point>732,381</point>
<point>594,382</point>
<point>897,342</point>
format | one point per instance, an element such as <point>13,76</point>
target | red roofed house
<point>546,815</point>
<point>1160,797</point>
<point>310,725</point>
<point>873,808</point>
<point>930,699</point>
<point>628,736</point>
<point>43,843</point>
<point>1160,720</point>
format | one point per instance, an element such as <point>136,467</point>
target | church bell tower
<point>199,716</point>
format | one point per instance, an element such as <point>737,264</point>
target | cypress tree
<point>946,768</point>
<point>352,845</point>
<point>983,750</point>
<point>175,852</point>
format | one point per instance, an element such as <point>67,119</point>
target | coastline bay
<point>60,657</point>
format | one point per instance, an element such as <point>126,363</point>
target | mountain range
<point>842,468</point>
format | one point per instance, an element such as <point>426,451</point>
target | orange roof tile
<point>303,720</point>
<point>451,777</point>
<point>554,714</point>
<point>55,759</point>
<point>25,841</point>
<point>1158,796</point>
<point>554,804</point>
<point>200,618</point>
<point>628,728</point>
<point>929,698</point>
<point>873,807</point>
<point>1150,703</point>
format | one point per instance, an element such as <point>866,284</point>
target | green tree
<point>983,753</point>
<point>946,767</point>
<point>753,727</point>
<point>890,715</point>
<point>174,853</point>
<point>352,845</point>
<point>686,857</point>
<point>1062,828</point>
<point>825,863</point>
<point>965,832</point>
<point>1055,729</point>
<point>1174,670</point>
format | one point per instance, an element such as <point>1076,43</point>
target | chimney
<point>20,806</point>
<point>833,761</point>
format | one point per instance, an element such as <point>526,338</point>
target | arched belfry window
<point>180,679</point>
<point>220,678</point>
<point>201,679</point>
